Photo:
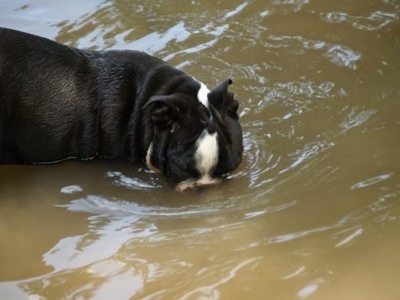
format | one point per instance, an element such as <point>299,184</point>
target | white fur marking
<point>206,154</point>
<point>202,94</point>
<point>206,159</point>
<point>148,159</point>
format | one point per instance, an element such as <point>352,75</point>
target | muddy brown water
<point>313,211</point>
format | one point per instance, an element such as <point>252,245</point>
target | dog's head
<point>197,138</point>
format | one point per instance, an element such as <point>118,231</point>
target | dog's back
<point>41,84</point>
<point>75,101</point>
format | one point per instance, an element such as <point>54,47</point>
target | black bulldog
<point>59,103</point>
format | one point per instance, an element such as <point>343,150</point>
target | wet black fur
<point>59,103</point>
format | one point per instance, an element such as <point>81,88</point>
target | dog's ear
<point>166,111</point>
<point>222,100</point>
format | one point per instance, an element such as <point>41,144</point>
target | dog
<point>59,103</point>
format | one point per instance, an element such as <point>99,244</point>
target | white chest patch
<point>202,94</point>
<point>207,153</point>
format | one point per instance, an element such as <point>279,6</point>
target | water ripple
<point>337,54</point>
<point>356,118</point>
<point>299,94</point>
<point>343,56</point>
<point>296,4</point>
<point>235,11</point>
<point>309,151</point>
<point>370,181</point>
<point>130,182</point>
<point>210,290</point>
<point>355,232</point>
<point>375,21</point>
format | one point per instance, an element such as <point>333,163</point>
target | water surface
<point>312,212</point>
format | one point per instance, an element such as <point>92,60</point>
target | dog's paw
<point>193,185</point>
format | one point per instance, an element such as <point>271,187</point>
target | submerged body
<point>59,103</point>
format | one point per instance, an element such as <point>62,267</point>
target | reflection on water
<point>374,21</point>
<point>312,212</point>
